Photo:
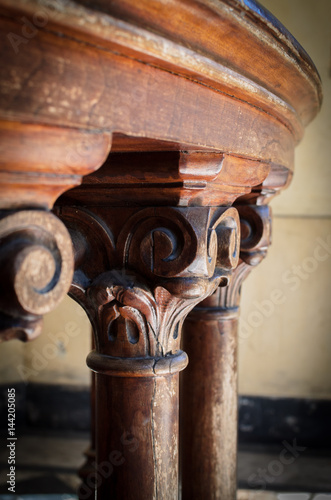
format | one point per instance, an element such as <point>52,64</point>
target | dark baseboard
<point>261,419</point>
<point>274,420</point>
<point>48,406</point>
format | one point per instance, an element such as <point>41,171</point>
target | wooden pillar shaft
<point>137,435</point>
<point>85,492</point>
<point>209,404</point>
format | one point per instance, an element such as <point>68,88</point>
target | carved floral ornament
<point>145,276</point>
<point>160,264</point>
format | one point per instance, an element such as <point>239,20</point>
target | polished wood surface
<point>157,132</point>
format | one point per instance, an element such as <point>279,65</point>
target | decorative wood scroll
<point>36,266</point>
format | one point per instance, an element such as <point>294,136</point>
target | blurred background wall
<point>289,351</point>
<point>285,348</point>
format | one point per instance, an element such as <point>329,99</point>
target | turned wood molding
<point>38,163</point>
<point>178,37</point>
<point>100,67</point>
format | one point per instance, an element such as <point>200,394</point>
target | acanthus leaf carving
<point>163,262</point>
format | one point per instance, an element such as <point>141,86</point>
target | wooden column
<point>209,403</point>
<point>209,384</point>
<point>138,274</point>
<point>137,432</point>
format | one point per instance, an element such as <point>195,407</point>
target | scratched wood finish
<point>144,122</point>
<point>142,442</point>
<point>120,86</point>
<point>168,36</point>
<point>208,402</point>
<point>118,91</point>
<point>38,163</point>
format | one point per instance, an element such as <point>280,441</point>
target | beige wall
<point>284,334</point>
<point>288,353</point>
<point>55,357</point>
<point>58,355</point>
<point>285,350</point>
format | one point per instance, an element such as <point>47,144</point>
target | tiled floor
<point>47,465</point>
<point>308,470</point>
<point>242,495</point>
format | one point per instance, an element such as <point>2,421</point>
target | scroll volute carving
<point>162,262</point>
<point>36,265</point>
<point>255,223</point>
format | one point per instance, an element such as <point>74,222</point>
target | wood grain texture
<point>184,38</point>
<point>209,405</point>
<point>182,178</point>
<point>224,76</point>
<point>235,34</point>
<point>109,82</point>
<point>38,163</point>
<point>142,436</point>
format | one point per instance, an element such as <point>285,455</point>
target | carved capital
<point>36,266</point>
<point>139,273</point>
<point>255,223</point>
